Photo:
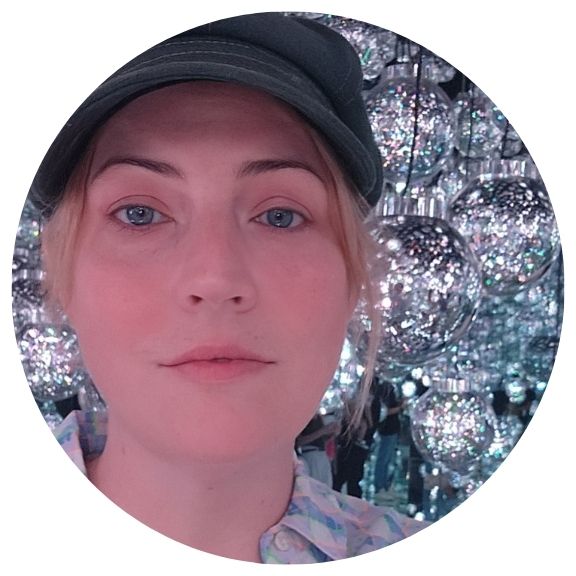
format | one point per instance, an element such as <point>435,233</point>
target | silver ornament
<point>413,124</point>
<point>27,286</point>
<point>452,426</point>
<point>51,361</point>
<point>375,46</point>
<point>479,133</point>
<point>29,228</point>
<point>428,284</point>
<point>510,226</point>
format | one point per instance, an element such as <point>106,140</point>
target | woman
<point>205,240</point>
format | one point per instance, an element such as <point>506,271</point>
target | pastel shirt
<point>319,525</point>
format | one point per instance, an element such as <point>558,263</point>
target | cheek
<point>112,308</point>
<point>317,288</point>
<point>314,309</point>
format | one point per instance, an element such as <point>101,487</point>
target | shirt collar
<point>315,513</point>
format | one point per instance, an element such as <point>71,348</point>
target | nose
<point>215,270</point>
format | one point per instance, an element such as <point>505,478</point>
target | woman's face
<point>209,292</point>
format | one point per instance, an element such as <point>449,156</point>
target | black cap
<point>298,60</point>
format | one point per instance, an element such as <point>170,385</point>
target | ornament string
<point>559,291</point>
<point>416,114</point>
<point>504,140</point>
<point>471,92</point>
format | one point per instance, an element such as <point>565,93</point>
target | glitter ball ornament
<point>510,225</point>
<point>539,356</point>
<point>511,147</point>
<point>375,46</point>
<point>507,431</point>
<point>24,259</point>
<point>27,286</point>
<point>51,361</point>
<point>478,130</point>
<point>22,314</point>
<point>310,15</point>
<point>452,426</point>
<point>28,234</point>
<point>413,124</point>
<point>346,379</point>
<point>438,68</point>
<point>451,182</point>
<point>512,143</point>
<point>428,285</point>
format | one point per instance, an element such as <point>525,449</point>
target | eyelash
<point>265,218</point>
<point>157,216</point>
<point>294,214</point>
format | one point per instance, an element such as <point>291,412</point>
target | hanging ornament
<point>512,144</point>
<point>27,286</point>
<point>375,46</point>
<point>347,377</point>
<point>539,356</point>
<point>479,131</point>
<point>510,225</point>
<point>27,293</point>
<point>413,124</point>
<point>409,389</point>
<point>438,68</point>
<point>426,278</point>
<point>29,227</point>
<point>507,431</point>
<point>24,259</point>
<point>310,15</point>
<point>409,52</point>
<point>22,314</point>
<point>451,181</point>
<point>452,426</point>
<point>51,361</point>
<point>511,147</point>
<point>515,390</point>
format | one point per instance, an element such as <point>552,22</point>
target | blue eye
<point>138,215</point>
<point>282,218</point>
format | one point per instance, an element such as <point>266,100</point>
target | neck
<point>219,507</point>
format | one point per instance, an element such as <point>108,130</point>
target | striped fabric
<point>320,524</point>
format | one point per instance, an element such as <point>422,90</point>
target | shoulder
<point>340,526</point>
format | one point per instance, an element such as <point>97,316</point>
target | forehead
<point>205,109</point>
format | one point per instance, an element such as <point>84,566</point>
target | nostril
<point>199,299</point>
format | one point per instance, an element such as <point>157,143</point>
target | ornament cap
<point>490,169</point>
<point>429,71</point>
<point>399,205</point>
<point>454,385</point>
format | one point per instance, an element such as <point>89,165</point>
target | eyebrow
<point>249,168</point>
<point>153,165</point>
<point>255,167</point>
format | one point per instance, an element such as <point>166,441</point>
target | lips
<point>215,354</point>
<point>217,363</point>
